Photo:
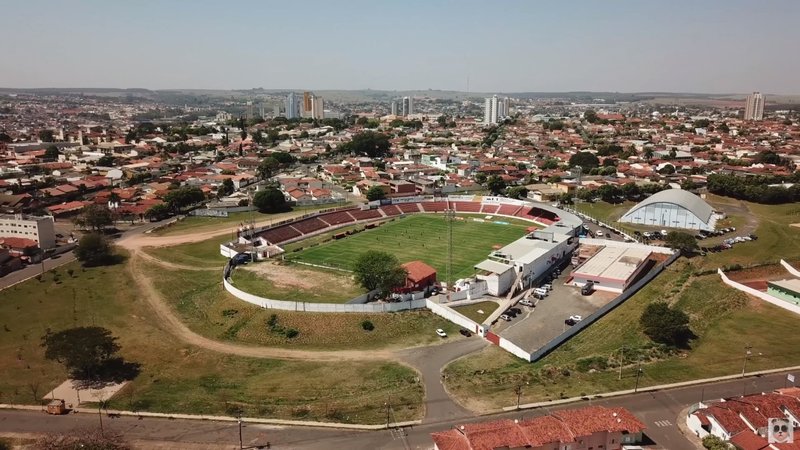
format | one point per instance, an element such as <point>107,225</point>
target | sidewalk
<point>254,420</point>
<point>650,388</point>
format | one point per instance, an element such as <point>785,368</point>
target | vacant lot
<point>296,282</point>
<point>207,309</point>
<point>420,237</point>
<point>177,377</point>
<point>725,321</point>
<point>478,311</point>
<point>203,254</point>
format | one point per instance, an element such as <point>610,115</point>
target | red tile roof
<point>418,271</point>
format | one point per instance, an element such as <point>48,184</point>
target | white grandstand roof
<point>679,197</point>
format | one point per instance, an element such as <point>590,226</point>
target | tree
<point>668,169</point>
<point>267,168</point>
<point>679,240</point>
<point>226,188</point>
<point>95,217</point>
<point>495,184</point>
<point>591,116</point>
<point>480,177</point>
<point>84,351</point>
<point>157,212</point>
<point>666,325</point>
<point>375,193</point>
<point>106,161</point>
<point>94,250</point>
<point>518,192</point>
<point>379,270</point>
<point>586,160</point>
<point>712,442</point>
<point>284,158</point>
<point>183,197</point>
<point>46,136</point>
<point>368,143</point>
<point>550,164</point>
<point>51,153</point>
<point>270,200</point>
<point>4,137</point>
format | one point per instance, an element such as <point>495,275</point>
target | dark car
<point>515,310</point>
<point>510,313</point>
<point>242,258</point>
<point>465,332</point>
<point>587,288</point>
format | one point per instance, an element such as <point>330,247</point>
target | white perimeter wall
<point>455,317</point>
<point>756,293</point>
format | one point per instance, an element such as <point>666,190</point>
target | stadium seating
<point>508,210</point>
<point>337,218</point>
<point>390,210</point>
<point>280,234</point>
<point>365,215</point>
<point>468,207</point>
<point>434,206</point>
<point>309,225</point>
<point>489,209</point>
<point>409,207</point>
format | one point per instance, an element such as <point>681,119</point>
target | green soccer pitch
<point>420,237</point>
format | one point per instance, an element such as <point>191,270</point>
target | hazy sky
<point>723,46</point>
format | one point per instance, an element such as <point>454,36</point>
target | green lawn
<point>207,309</point>
<point>471,311</point>
<point>180,378</point>
<point>198,254</point>
<point>422,237</point>
<point>724,319</point>
<point>314,285</point>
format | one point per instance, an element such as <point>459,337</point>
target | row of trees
<point>756,189</point>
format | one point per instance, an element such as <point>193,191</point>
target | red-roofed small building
<point>420,276</point>
<point>593,427</point>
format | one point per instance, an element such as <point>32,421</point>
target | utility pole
<point>747,354</point>
<point>621,360</point>
<point>239,420</point>
<point>638,374</point>
<point>518,391</point>
<point>449,216</point>
<point>387,412</point>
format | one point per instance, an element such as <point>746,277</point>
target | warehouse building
<point>673,208</point>
<point>788,290</point>
<point>612,269</point>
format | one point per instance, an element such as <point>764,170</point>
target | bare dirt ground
<point>170,265</point>
<point>297,277</point>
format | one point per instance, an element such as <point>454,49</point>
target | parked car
<point>515,310</point>
<point>510,313</point>
<point>505,317</point>
<point>540,291</point>
<point>576,318</point>
<point>441,333</point>
<point>526,302</point>
<point>465,332</point>
<point>569,322</point>
<point>587,288</point>
<point>599,233</point>
<point>547,286</point>
<point>242,258</point>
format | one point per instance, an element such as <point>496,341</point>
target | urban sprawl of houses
<point>60,153</point>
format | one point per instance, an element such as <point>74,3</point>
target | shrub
<point>291,333</point>
<point>367,325</point>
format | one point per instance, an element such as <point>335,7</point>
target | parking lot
<point>537,326</point>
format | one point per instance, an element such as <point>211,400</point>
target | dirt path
<point>148,257</point>
<point>173,324</point>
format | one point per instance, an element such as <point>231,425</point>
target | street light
<point>747,354</point>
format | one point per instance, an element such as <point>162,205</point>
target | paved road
<point>429,361</point>
<point>658,410</point>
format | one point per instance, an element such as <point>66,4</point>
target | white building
<point>408,106</point>
<point>317,109</point>
<point>394,108</point>
<point>495,109</point>
<point>612,269</point>
<point>292,106</point>
<point>673,208</point>
<point>754,107</point>
<point>36,228</point>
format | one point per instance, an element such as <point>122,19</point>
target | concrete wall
<point>285,305</point>
<point>791,269</point>
<point>510,347</point>
<point>610,243</point>
<point>455,317</point>
<point>756,293</point>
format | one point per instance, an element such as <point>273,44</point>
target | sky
<point>703,46</point>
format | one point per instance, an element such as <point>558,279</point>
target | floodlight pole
<point>449,215</point>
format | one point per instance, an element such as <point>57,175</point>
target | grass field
<point>296,282</point>
<point>207,309</point>
<point>422,237</point>
<point>198,254</point>
<point>471,311</point>
<point>724,319</point>
<point>177,377</point>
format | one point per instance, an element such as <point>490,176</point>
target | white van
<point>540,291</point>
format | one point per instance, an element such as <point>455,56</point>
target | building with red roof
<point>420,276</point>
<point>592,427</point>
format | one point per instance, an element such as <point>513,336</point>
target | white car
<point>576,318</point>
<point>441,333</point>
<point>599,233</point>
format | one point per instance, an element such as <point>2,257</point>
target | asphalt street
<point>658,410</point>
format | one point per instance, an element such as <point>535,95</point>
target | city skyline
<point>583,46</point>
